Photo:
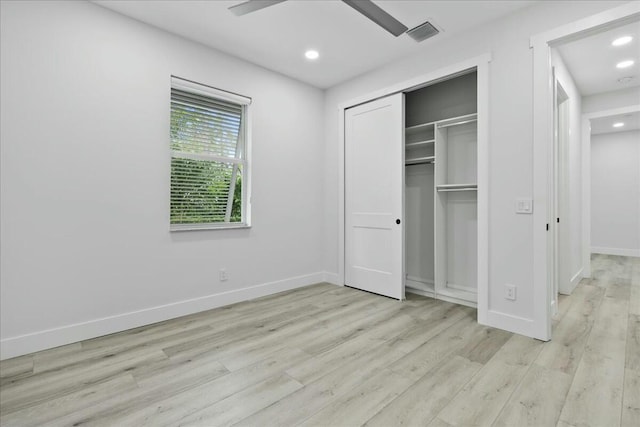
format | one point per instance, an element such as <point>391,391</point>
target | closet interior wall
<point>441,190</point>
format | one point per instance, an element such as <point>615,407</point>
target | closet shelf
<point>455,121</point>
<point>457,187</point>
<point>420,160</point>
<point>419,128</point>
<point>419,143</point>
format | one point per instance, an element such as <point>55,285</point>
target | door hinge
<point>558,220</point>
<point>547,226</point>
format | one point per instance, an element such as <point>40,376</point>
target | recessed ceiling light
<point>620,41</point>
<point>625,64</point>
<point>618,125</point>
<point>311,54</point>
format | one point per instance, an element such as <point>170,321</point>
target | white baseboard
<point>616,251</point>
<point>456,300</point>
<point>574,281</point>
<point>418,291</point>
<point>42,340</point>
<point>508,322</point>
<point>331,278</point>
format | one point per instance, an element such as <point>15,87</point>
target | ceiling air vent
<point>423,31</point>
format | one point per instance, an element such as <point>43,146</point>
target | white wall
<point>510,137</point>
<point>615,193</point>
<point>574,175</point>
<point>610,100</point>
<point>85,179</point>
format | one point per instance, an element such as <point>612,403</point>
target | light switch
<point>524,206</point>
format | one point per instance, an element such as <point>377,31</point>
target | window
<point>209,176</point>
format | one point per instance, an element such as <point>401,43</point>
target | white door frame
<point>586,178</point>
<point>481,63</point>
<point>559,192</point>
<point>543,144</point>
<point>562,211</point>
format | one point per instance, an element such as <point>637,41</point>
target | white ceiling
<point>276,37</point>
<point>605,124</point>
<point>592,60</point>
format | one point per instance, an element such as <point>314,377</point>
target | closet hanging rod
<point>447,190</point>
<point>419,126</point>
<point>461,185</point>
<point>456,121</point>
<point>448,125</point>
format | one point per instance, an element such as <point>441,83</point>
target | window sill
<point>198,227</point>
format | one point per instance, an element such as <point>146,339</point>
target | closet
<point>441,190</point>
<point>410,200</point>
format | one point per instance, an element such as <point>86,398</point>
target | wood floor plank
<point>634,292</point>
<point>429,355</point>
<point>484,344</point>
<point>51,385</point>
<point>483,398</point>
<point>439,423</point>
<point>276,301</point>
<point>564,304</point>
<point>421,402</point>
<point>83,399</point>
<point>15,368</point>
<point>244,403</point>
<point>108,412</point>
<point>219,320</point>
<point>178,406</point>
<point>538,400</point>
<point>631,399</point>
<point>412,338</point>
<point>346,326</point>
<point>238,333</point>
<point>564,351</point>
<point>619,290</point>
<point>60,351</point>
<point>310,319</point>
<point>325,389</point>
<point>595,396</point>
<point>587,300</point>
<point>612,319</point>
<point>321,364</point>
<point>480,402</point>
<point>238,353</point>
<point>632,360</point>
<point>356,406</point>
<point>84,357</point>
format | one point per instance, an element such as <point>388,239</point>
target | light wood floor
<point>326,355</point>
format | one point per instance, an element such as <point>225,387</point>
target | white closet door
<point>374,188</point>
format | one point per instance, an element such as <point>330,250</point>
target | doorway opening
<point>567,84</point>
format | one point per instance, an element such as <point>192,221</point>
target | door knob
<point>398,221</point>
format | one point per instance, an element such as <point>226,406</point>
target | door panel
<point>374,188</point>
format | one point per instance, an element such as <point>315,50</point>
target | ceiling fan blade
<point>377,15</point>
<point>252,6</point>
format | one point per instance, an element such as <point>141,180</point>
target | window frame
<point>244,161</point>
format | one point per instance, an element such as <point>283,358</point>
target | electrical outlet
<point>510,292</point>
<point>224,276</point>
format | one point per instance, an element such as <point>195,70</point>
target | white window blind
<point>208,159</point>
